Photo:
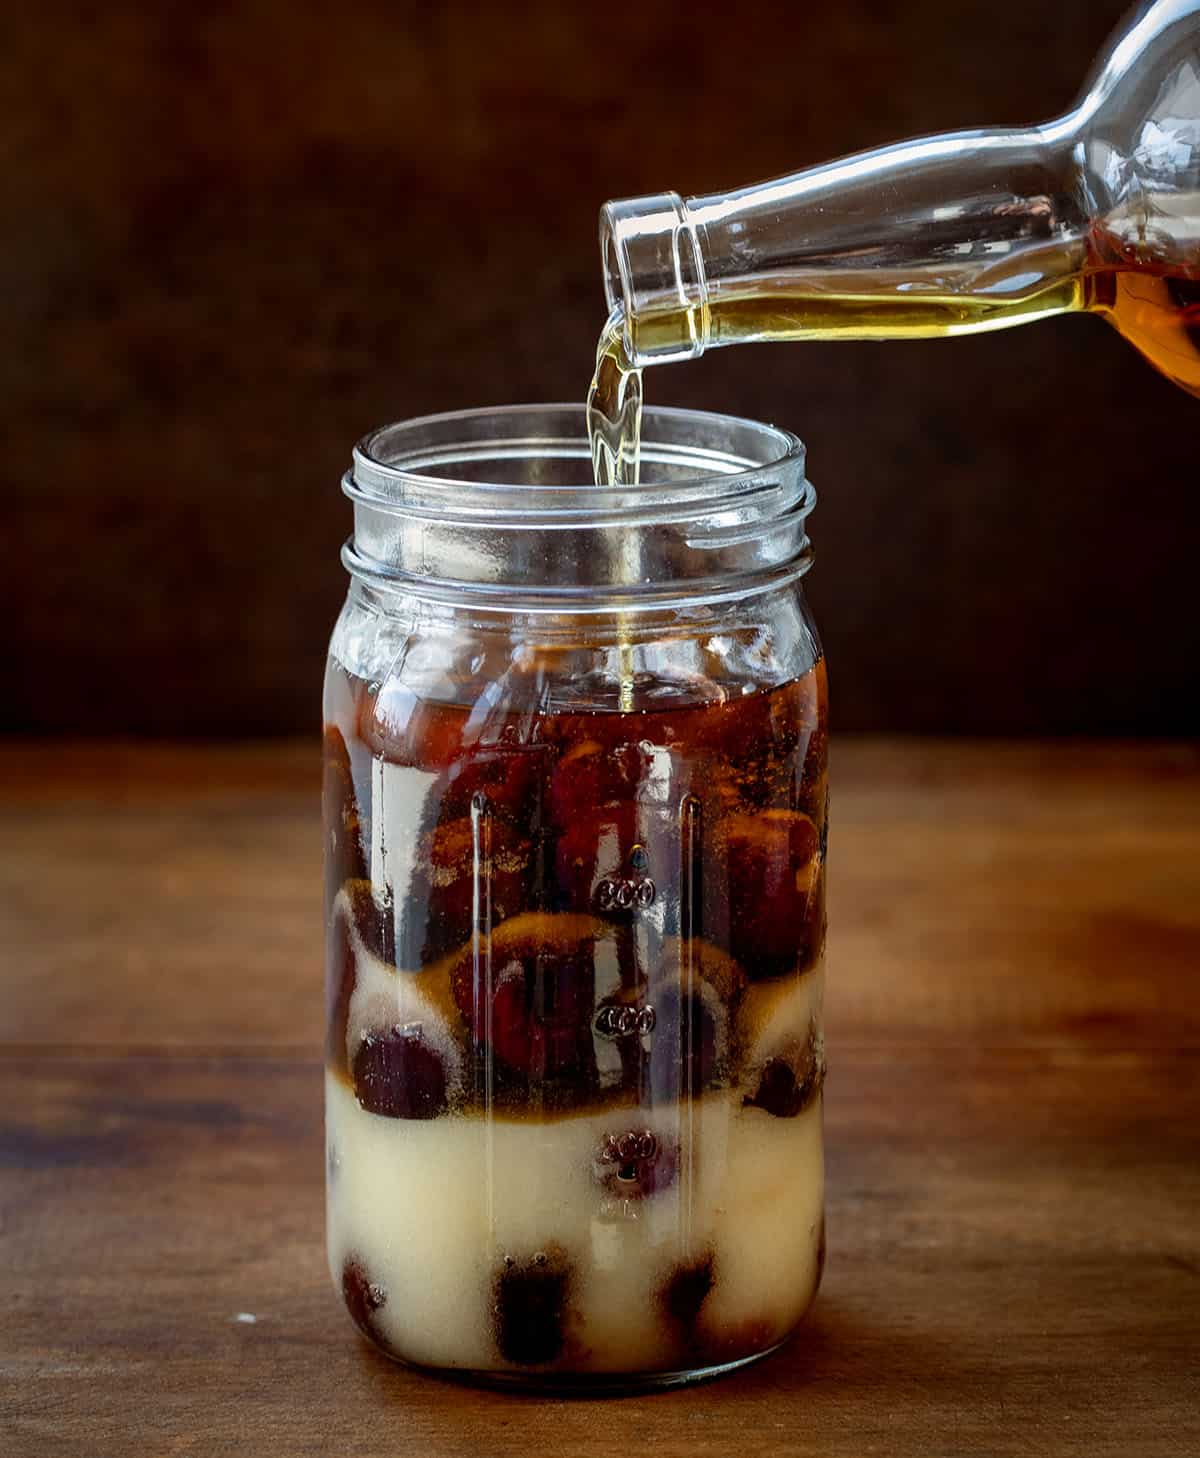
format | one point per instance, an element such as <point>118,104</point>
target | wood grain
<point>1014,1266</point>
<point>1013,1125</point>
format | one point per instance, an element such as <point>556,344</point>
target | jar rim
<point>721,508</point>
<point>409,463</point>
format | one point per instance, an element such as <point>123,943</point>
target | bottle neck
<point>943,235</point>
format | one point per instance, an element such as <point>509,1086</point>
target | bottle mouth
<point>498,504</point>
<point>653,272</point>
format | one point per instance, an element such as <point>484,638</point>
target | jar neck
<point>484,506</point>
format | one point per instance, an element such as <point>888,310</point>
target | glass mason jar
<point>575,811</point>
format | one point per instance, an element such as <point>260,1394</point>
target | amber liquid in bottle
<point>1156,309</point>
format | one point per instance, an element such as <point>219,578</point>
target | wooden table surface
<point>1013,1125</point>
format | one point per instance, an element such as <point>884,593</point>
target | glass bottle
<point>1098,210</point>
<point>575,815</point>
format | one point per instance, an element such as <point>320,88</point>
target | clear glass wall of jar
<point>575,804</point>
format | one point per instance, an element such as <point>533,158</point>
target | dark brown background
<point>238,235</point>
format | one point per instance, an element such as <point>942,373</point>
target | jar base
<point>585,1384</point>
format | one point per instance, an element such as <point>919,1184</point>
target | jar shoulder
<point>595,663</point>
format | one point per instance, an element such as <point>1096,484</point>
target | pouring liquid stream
<point>614,410</point>
<point>614,425</point>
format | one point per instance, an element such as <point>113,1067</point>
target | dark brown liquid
<point>589,898</point>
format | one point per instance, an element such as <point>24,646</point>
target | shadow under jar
<point>575,814</point>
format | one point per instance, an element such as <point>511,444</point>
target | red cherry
<point>403,728</point>
<point>491,756</point>
<point>541,1015</point>
<point>616,860</point>
<point>363,1297</point>
<point>345,841</point>
<point>769,891</point>
<point>597,771</point>
<point>445,887</point>
<point>536,1011</point>
<point>339,988</point>
<point>786,1086</point>
<point>507,776</point>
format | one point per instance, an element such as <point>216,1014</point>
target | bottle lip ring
<point>652,264</point>
<point>615,270</point>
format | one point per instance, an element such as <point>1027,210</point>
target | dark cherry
<point>530,1304</point>
<point>799,729</point>
<point>755,744</point>
<point>446,884</point>
<point>399,1075</point>
<point>682,1301</point>
<point>786,1086</point>
<point>363,1297</point>
<point>781,1092</point>
<point>684,1292</point>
